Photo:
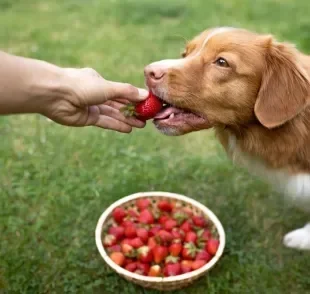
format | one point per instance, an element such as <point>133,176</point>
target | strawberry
<point>118,258</point>
<point>142,268</point>
<point>203,255</point>
<point>212,246</point>
<point>132,214</point>
<point>114,248</point>
<point>117,231</point>
<point>175,249</point>
<point>109,240</point>
<point>146,217</point>
<point>128,250</point>
<point>145,254</point>
<point>164,205</point>
<point>180,216</point>
<point>128,261</point>
<point>154,230</point>
<point>198,264</point>
<point>144,110</point>
<point>119,214</point>
<point>136,242</point>
<point>159,253</point>
<point>151,243</point>
<point>131,266</point>
<point>204,235</point>
<point>172,269</point>
<point>186,226</point>
<point>143,203</point>
<point>190,237</point>
<point>186,266</point>
<point>143,234</point>
<point>155,271</point>
<point>170,224</point>
<point>189,251</point>
<point>177,234</point>
<point>164,236</point>
<point>162,219</point>
<point>127,223</point>
<point>130,232</point>
<point>199,221</point>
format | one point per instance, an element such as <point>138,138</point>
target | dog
<point>255,92</point>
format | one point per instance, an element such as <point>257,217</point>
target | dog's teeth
<point>171,115</point>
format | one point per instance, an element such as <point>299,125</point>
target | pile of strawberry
<point>160,239</point>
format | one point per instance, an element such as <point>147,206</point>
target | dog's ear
<point>285,87</point>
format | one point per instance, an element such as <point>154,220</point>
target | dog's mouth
<point>182,119</point>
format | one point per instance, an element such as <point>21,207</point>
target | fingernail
<point>143,93</point>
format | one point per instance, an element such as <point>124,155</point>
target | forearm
<point>28,85</point>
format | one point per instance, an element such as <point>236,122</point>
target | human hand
<point>88,99</point>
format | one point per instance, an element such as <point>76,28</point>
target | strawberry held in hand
<point>146,109</point>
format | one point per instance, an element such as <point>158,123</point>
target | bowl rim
<point>122,271</point>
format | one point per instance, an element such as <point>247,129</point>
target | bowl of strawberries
<point>160,240</point>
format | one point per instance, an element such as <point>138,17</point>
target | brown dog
<point>255,92</point>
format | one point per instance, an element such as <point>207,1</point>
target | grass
<point>56,181</point>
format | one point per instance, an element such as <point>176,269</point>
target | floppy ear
<point>285,87</point>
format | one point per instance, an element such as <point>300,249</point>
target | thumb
<point>117,90</point>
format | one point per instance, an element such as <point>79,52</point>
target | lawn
<point>56,181</point>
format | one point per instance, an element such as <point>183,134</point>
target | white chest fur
<point>294,186</point>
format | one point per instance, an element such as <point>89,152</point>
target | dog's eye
<point>221,62</point>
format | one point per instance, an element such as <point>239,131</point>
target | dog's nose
<point>154,74</point>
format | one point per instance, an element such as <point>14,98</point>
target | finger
<point>114,104</point>
<point>110,123</point>
<point>126,91</point>
<point>116,114</point>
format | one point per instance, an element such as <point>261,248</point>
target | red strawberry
<point>186,266</point>
<point>128,250</point>
<point>154,230</point>
<point>199,221</point>
<point>152,242</point>
<point>119,214</point>
<point>133,214</point>
<point>164,205</point>
<point>203,255</point>
<point>145,254</point>
<point>175,249</point>
<point>186,226</point>
<point>146,217</point>
<point>131,266</point>
<point>117,231</point>
<point>143,203</point>
<point>172,269</point>
<point>190,237</point>
<point>170,224</point>
<point>118,258</point>
<point>204,235</point>
<point>164,236</point>
<point>143,234</point>
<point>109,240</point>
<point>189,251</point>
<point>126,241</point>
<point>177,234</point>
<point>130,232</point>
<point>114,248</point>
<point>146,109</point>
<point>142,268</point>
<point>212,246</point>
<point>162,219</point>
<point>198,264</point>
<point>136,242</point>
<point>155,271</point>
<point>127,223</point>
<point>159,253</point>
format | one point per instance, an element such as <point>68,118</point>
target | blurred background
<point>56,181</point>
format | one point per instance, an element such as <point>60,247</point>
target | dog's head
<point>229,77</point>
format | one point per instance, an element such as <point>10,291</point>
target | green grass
<point>56,181</point>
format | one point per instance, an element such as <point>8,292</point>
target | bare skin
<point>68,96</point>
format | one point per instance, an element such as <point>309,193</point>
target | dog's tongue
<point>166,112</point>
